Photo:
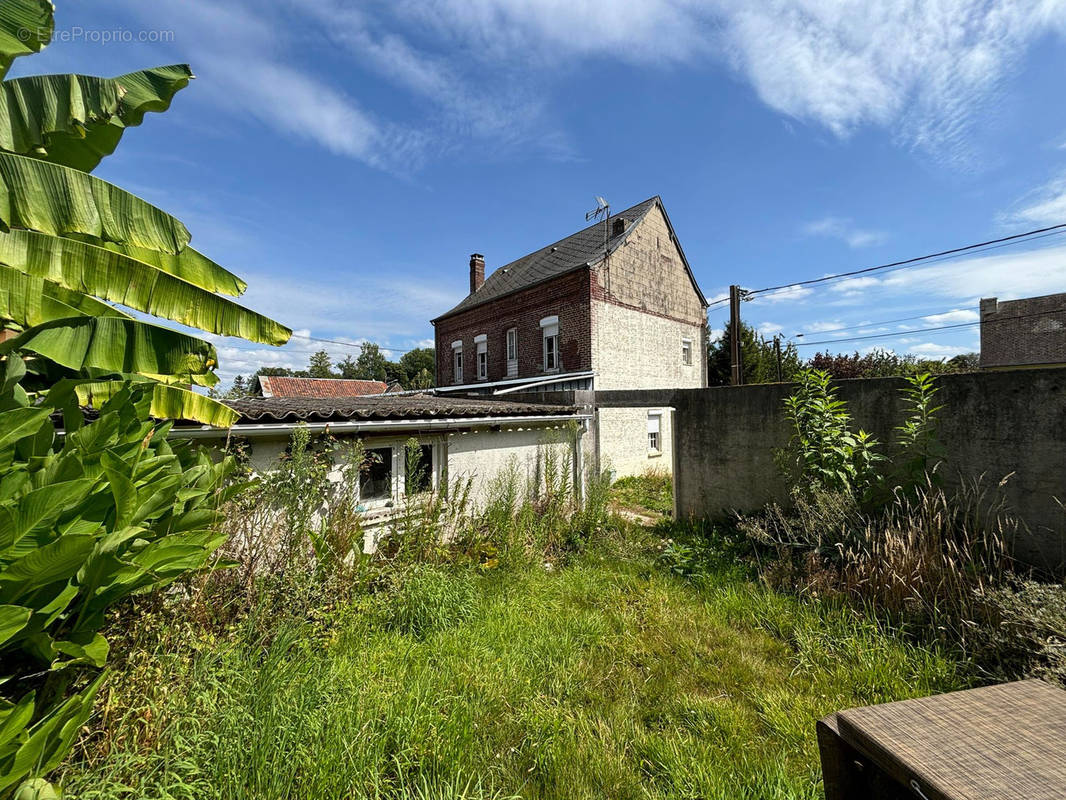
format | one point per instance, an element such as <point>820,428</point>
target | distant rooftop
<point>278,386</point>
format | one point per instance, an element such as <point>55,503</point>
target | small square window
<point>686,352</point>
<point>654,432</point>
<point>375,479</point>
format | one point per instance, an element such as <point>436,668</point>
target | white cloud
<point>933,350</point>
<point>853,285</point>
<point>769,328</point>
<point>845,230</point>
<point>251,71</point>
<point>489,67</point>
<point>822,327</point>
<point>952,317</point>
<point>1044,206</point>
<point>786,295</point>
<point>391,312</point>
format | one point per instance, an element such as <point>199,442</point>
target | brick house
<point>613,306</point>
<point>1030,332</point>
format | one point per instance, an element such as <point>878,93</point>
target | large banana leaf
<point>25,28</point>
<point>27,300</point>
<point>189,265</point>
<point>139,93</point>
<point>33,109</point>
<point>116,344</point>
<point>113,276</point>
<point>59,200</point>
<point>168,402</point>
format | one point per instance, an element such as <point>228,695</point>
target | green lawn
<point>605,678</point>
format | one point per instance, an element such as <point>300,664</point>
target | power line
<point>273,348</point>
<point>896,334</point>
<point>885,322</point>
<point>348,344</point>
<point>990,244</point>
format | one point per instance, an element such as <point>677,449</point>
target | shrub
<point>1022,631</point>
<point>88,517</point>
<point>824,454</point>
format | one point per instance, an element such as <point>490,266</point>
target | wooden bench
<point>1004,742</point>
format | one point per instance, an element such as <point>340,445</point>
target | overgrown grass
<point>607,676</point>
<point>653,491</point>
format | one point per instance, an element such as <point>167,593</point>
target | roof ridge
<point>539,265</point>
<point>575,233</point>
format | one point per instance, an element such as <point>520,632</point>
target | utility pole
<point>735,359</point>
<point>777,352</point>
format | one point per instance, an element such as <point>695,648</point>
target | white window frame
<point>511,339</point>
<point>549,330</point>
<point>398,484</point>
<point>686,352</point>
<point>655,429</point>
<point>481,356</point>
<point>457,361</point>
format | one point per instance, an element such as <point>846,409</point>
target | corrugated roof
<point>384,407</point>
<point>280,386</point>
<point>574,252</point>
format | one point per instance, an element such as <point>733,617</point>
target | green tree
<point>320,366</point>
<point>371,364</point>
<point>423,380</point>
<point>240,388</point>
<point>414,361</point>
<point>348,368</point>
<point>759,358</point>
<point>73,246</point>
<point>274,372</point>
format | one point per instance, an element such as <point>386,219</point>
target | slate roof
<point>384,407</point>
<point>576,251</point>
<point>277,386</point>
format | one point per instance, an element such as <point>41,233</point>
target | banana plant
<point>90,514</point>
<point>75,251</point>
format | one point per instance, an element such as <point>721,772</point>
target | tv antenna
<point>603,209</point>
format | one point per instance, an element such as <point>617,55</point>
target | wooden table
<point>1005,742</point>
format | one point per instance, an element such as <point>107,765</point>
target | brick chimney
<point>477,271</point>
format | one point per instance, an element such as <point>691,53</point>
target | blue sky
<point>346,158</point>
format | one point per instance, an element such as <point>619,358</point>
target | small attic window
<point>618,227</point>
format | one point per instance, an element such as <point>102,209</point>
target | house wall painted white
<point>651,317</point>
<point>480,456</point>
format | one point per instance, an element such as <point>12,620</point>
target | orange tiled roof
<point>318,388</point>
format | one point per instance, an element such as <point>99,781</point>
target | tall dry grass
<point>927,559</point>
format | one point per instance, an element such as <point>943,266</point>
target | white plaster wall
<point>624,441</point>
<point>482,455</point>
<point>634,350</point>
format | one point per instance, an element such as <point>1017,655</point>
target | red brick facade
<point>567,297</point>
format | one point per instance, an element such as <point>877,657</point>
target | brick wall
<point>1028,332</point>
<point>566,297</point>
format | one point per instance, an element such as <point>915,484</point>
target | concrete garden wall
<point>992,424</point>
